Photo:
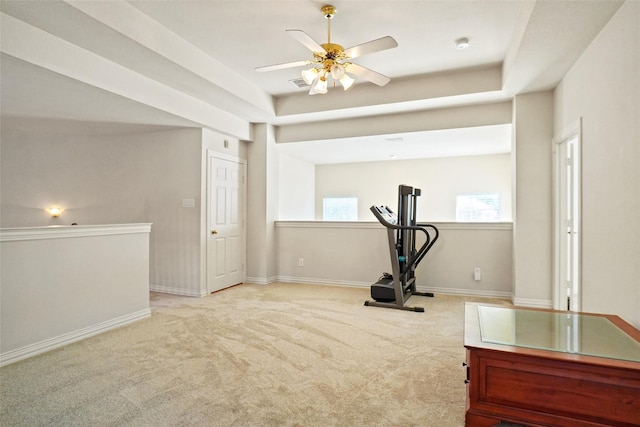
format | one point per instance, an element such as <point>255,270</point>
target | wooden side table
<point>550,368</point>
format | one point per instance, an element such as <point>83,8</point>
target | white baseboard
<point>435,290</point>
<point>315,281</point>
<point>465,291</point>
<point>354,284</point>
<point>535,303</point>
<point>70,337</point>
<point>177,291</point>
<point>260,280</point>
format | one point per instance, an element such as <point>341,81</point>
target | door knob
<point>214,231</point>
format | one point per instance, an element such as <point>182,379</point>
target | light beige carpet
<point>274,355</point>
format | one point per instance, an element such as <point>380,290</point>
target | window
<point>483,207</point>
<point>340,208</point>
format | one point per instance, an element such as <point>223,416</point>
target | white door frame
<point>560,223</point>
<point>211,154</point>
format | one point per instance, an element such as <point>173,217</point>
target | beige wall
<point>112,179</point>
<point>262,205</point>
<point>603,88</point>
<point>356,254</point>
<point>297,189</point>
<point>532,224</point>
<point>117,178</point>
<point>440,179</point>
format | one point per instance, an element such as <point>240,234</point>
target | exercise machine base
<point>383,295</point>
<point>385,292</point>
<point>393,305</point>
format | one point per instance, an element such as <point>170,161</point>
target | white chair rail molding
<point>60,284</point>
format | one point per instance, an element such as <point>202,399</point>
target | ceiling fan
<point>330,59</point>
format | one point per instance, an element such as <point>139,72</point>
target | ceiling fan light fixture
<point>310,75</point>
<point>346,81</point>
<point>337,71</point>
<point>329,59</point>
<point>321,85</point>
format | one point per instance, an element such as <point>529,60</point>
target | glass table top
<point>562,332</point>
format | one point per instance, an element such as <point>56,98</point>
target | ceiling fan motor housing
<point>329,11</point>
<point>334,53</point>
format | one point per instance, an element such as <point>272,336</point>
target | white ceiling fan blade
<point>307,41</point>
<point>368,74</point>
<point>282,66</point>
<point>377,45</point>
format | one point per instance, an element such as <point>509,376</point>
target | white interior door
<point>225,241</point>
<point>568,221</point>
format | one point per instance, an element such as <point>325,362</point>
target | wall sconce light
<point>54,212</point>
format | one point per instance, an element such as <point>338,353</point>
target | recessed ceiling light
<point>462,43</point>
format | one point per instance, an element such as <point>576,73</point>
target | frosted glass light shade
<point>346,81</point>
<point>337,71</point>
<point>321,85</point>
<point>309,75</point>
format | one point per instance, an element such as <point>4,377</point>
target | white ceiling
<point>533,42</point>
<point>252,34</point>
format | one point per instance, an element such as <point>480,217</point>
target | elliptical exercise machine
<point>394,290</point>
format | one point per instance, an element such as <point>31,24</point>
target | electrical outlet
<point>477,274</point>
<point>301,262</point>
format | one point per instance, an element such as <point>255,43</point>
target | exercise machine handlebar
<point>389,220</point>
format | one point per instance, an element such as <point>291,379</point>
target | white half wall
<point>357,253</point>
<point>62,284</point>
<point>440,179</point>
